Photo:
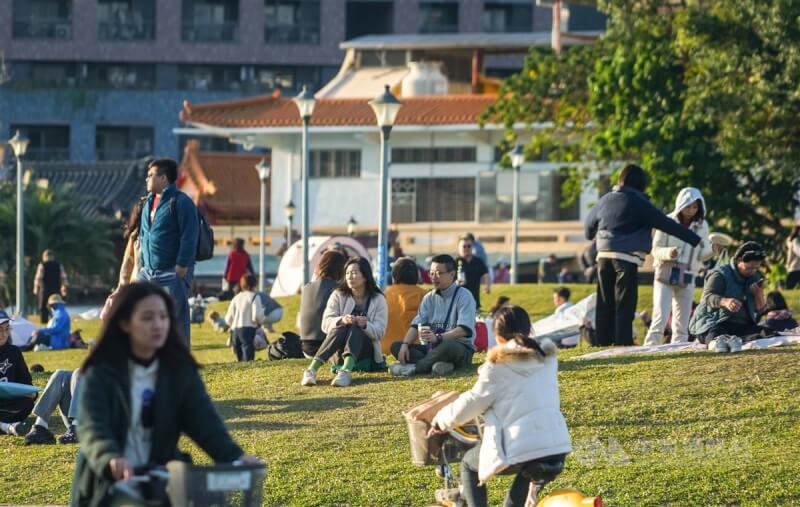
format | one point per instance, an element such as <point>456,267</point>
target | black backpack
<point>205,236</point>
<point>285,347</point>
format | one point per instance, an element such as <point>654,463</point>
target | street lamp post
<point>305,105</point>
<point>386,107</point>
<point>289,209</point>
<point>517,158</point>
<point>351,226</point>
<point>19,144</point>
<point>262,168</point>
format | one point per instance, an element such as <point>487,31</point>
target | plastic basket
<point>216,486</point>
<point>425,450</point>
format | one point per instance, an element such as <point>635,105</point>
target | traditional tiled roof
<point>105,187</point>
<point>225,185</point>
<point>277,111</point>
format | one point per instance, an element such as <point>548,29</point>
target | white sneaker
<point>42,348</point>
<point>343,378</point>
<point>309,378</point>
<point>442,368</point>
<point>720,344</point>
<point>402,370</point>
<point>734,344</point>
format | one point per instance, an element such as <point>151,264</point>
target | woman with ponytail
<point>517,394</point>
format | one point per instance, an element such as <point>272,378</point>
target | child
<point>777,316</point>
<point>517,390</point>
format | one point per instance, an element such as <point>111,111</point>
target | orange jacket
<point>403,301</point>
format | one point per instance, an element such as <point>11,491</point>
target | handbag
<point>675,273</point>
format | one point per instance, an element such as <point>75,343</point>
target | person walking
<point>50,279</point>
<point>168,238</point>
<point>141,390</point>
<point>676,265</point>
<point>622,222</point>
<point>244,315</point>
<point>237,265</point>
<point>471,271</point>
<point>793,258</point>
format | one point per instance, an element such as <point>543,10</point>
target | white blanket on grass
<point>761,343</point>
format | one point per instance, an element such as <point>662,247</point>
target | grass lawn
<point>673,429</point>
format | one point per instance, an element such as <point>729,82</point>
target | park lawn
<point>672,429</point>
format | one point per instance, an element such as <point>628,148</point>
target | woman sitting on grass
<point>354,322</point>
<point>517,392</point>
<point>777,315</point>
<point>140,391</point>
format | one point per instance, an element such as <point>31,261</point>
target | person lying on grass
<point>444,325</point>
<point>517,393</point>
<point>140,391</point>
<point>354,323</point>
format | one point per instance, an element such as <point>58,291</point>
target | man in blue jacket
<point>622,222</point>
<point>55,335</point>
<point>168,237</point>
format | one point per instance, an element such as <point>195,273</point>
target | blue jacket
<point>622,221</point>
<point>58,327</point>
<point>172,237</point>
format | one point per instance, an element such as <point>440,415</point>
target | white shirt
<point>563,307</point>
<point>245,310</point>
<point>137,445</point>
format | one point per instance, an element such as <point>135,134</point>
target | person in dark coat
<point>50,279</point>
<point>622,222</point>
<point>12,369</point>
<point>141,390</point>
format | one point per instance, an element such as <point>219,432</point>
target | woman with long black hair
<point>354,322</point>
<point>141,390</point>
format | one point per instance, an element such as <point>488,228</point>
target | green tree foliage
<point>83,246</point>
<point>700,93</point>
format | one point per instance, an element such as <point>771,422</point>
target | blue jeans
<point>178,288</point>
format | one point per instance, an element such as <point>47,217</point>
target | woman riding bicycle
<point>140,391</point>
<point>517,393</point>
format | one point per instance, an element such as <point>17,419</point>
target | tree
<point>83,246</point>
<point>700,93</point>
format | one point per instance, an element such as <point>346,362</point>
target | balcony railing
<point>43,28</point>
<point>211,32</point>
<point>291,34</point>
<point>126,31</point>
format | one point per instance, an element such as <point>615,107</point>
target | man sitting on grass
<point>444,325</point>
<point>55,335</point>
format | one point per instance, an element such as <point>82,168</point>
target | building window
<point>210,20</point>
<point>291,21</point>
<point>42,19</point>
<point>335,164</point>
<point>47,74</point>
<point>433,155</point>
<point>368,18</point>
<point>123,20</point>
<point>123,143</point>
<point>270,78</point>
<point>121,76</point>
<point>507,17</point>
<point>438,17</point>
<point>47,142</point>
<point>210,77</point>
<point>433,200</point>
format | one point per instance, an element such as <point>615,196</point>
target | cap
<point>54,299</point>
<point>4,317</point>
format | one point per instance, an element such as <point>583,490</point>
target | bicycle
<point>181,484</point>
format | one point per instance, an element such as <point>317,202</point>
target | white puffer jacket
<point>517,392</point>
<point>663,243</point>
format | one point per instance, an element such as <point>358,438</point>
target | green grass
<point>678,429</point>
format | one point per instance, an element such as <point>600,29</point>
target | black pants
<point>793,279</point>
<point>345,341</point>
<point>310,347</point>
<point>739,329</point>
<point>243,343</point>
<point>449,351</point>
<point>15,409</point>
<point>617,288</point>
<point>44,311</point>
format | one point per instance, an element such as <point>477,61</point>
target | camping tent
<point>290,271</point>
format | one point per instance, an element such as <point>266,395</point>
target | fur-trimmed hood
<point>513,352</point>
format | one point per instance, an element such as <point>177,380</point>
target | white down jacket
<point>663,243</point>
<point>517,392</point>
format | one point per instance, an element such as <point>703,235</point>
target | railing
<point>114,30</point>
<point>211,32</point>
<point>292,34</point>
<point>43,28</point>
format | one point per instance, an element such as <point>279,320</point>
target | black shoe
<point>39,435</point>
<point>69,437</point>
